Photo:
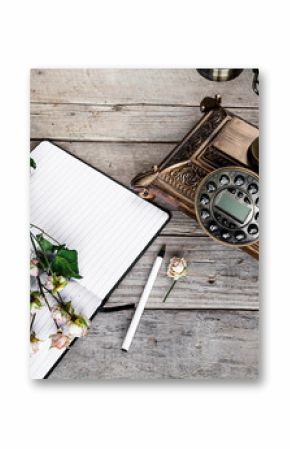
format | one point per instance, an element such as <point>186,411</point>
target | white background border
<point>153,34</point>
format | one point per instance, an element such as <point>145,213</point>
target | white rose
<point>34,270</point>
<point>34,343</point>
<point>55,283</point>
<point>48,284</point>
<point>60,315</point>
<point>35,301</point>
<point>75,330</point>
<point>59,340</point>
<point>177,268</point>
<point>79,327</point>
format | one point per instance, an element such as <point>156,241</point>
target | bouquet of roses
<point>52,266</point>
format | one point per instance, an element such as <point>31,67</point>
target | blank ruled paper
<point>106,223</point>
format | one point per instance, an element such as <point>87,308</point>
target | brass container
<point>220,74</point>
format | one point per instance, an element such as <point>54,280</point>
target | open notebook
<point>104,221</point>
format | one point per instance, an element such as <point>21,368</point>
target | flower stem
<point>50,292</point>
<point>45,233</point>
<point>32,321</point>
<point>169,290</point>
<point>39,281</point>
<point>45,299</point>
<point>58,299</point>
<point>33,243</point>
<point>33,240</point>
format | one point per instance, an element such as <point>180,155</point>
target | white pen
<point>144,297</point>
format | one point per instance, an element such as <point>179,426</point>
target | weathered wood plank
<point>113,106</point>
<point>123,161</point>
<point>120,160</point>
<point>117,123</point>
<point>182,225</point>
<point>167,345</point>
<point>218,277</point>
<point>134,86</point>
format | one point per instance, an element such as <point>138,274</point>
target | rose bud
<point>34,270</point>
<point>48,284</point>
<point>67,306</point>
<point>60,315</point>
<point>59,282</point>
<point>177,268</point>
<point>55,283</point>
<point>79,326</point>
<point>59,340</point>
<point>34,343</point>
<point>35,301</point>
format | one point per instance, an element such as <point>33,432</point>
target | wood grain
<point>122,161</point>
<point>112,157</point>
<point>123,122</point>
<point>184,87</point>
<point>218,277</point>
<point>117,123</point>
<point>168,345</point>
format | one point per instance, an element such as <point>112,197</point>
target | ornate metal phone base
<point>216,149</point>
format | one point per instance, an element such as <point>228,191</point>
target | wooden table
<point>123,122</point>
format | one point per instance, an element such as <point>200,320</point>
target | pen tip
<point>162,251</point>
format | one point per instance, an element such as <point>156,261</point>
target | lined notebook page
<point>106,223</point>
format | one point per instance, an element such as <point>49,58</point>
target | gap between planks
<point>137,86</point>
<point>118,107</point>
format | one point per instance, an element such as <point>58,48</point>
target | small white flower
<point>34,343</point>
<point>35,301</point>
<point>55,283</point>
<point>79,326</point>
<point>48,283</point>
<point>60,315</point>
<point>177,268</point>
<point>59,340</point>
<point>34,270</point>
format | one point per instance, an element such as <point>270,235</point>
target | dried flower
<point>177,268</point>
<point>35,301</point>
<point>48,283</point>
<point>78,327</point>
<point>67,306</point>
<point>60,315</point>
<point>59,340</point>
<point>34,270</point>
<point>53,264</point>
<point>55,283</point>
<point>34,343</point>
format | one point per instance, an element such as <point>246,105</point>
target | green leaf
<point>65,263</point>
<point>44,244</point>
<point>58,247</point>
<point>32,163</point>
<point>43,261</point>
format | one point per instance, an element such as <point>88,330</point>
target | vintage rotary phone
<point>212,175</point>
